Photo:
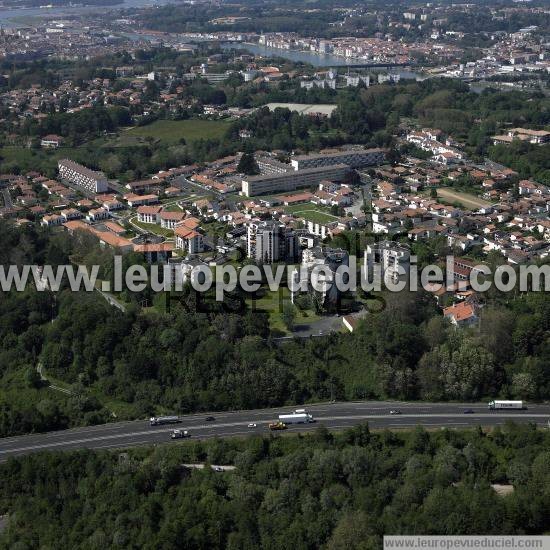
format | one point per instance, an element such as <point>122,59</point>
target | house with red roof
<point>462,314</point>
<point>149,214</point>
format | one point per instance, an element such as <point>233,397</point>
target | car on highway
<point>395,411</point>
<point>277,426</point>
<point>179,434</point>
<point>469,411</point>
<point>209,419</point>
<point>218,469</point>
<point>252,425</point>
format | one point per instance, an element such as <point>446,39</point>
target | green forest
<point>332,491</point>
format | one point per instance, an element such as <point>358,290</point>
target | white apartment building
<point>189,240</point>
<point>169,220</point>
<point>96,182</point>
<point>270,241</point>
<point>310,277</point>
<point>390,256</point>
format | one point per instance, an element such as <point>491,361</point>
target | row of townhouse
<point>156,215</point>
<point>427,140</point>
<point>64,216</point>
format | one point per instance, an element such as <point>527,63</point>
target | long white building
<point>290,181</point>
<point>96,182</point>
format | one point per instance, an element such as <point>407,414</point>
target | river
<point>315,59</point>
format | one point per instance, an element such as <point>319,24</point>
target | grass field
<point>311,212</point>
<point>271,303</point>
<point>26,157</point>
<point>469,201</point>
<point>171,131</point>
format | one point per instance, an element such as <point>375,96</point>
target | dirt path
<point>470,201</point>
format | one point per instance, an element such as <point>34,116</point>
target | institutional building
<point>290,181</point>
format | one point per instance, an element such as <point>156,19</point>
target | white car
<point>179,434</point>
<point>395,412</point>
<point>252,425</point>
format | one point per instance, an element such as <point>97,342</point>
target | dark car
<point>210,419</point>
<point>469,411</point>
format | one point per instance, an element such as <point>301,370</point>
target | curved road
<point>334,416</point>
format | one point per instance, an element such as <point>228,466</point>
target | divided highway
<point>334,416</point>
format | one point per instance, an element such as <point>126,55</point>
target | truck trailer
<point>506,405</point>
<point>156,420</point>
<point>296,418</point>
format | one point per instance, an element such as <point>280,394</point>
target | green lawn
<point>311,212</point>
<point>171,131</point>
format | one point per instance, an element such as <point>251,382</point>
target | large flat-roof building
<point>290,181</point>
<point>354,158</point>
<point>81,176</point>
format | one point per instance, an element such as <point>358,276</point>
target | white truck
<point>497,405</point>
<point>156,420</point>
<point>296,418</point>
<point>179,434</point>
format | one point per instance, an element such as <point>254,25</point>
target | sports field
<point>311,212</point>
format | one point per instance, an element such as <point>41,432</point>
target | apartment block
<point>96,182</point>
<point>149,214</point>
<point>391,257</point>
<point>310,273</point>
<point>270,241</point>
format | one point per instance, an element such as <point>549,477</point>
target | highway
<point>8,203</point>
<point>334,416</point>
